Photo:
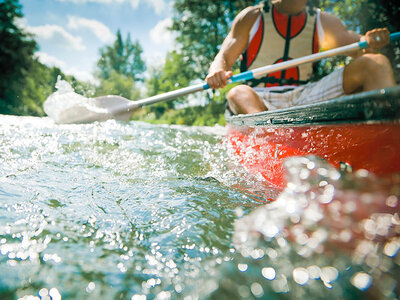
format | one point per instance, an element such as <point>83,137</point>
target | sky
<point>71,32</point>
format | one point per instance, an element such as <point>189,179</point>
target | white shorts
<point>329,87</point>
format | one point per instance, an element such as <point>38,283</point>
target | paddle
<point>116,107</point>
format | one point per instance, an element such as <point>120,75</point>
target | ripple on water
<point>133,210</point>
<point>110,208</point>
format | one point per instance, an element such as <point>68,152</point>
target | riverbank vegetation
<point>200,27</point>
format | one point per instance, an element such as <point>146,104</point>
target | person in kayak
<point>285,29</point>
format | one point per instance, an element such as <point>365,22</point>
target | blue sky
<point>71,32</point>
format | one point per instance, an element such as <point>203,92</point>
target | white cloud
<point>52,61</point>
<point>57,35</point>
<point>134,3</point>
<point>80,74</point>
<point>49,60</point>
<point>159,5</point>
<point>101,31</point>
<point>154,59</point>
<point>160,35</point>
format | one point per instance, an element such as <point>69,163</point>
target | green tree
<point>124,58</point>
<point>16,50</point>
<point>39,83</point>
<point>201,26</point>
<point>118,84</point>
<point>176,73</point>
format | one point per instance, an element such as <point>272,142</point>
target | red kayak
<point>353,132</point>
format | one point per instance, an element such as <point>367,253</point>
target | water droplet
<point>329,274</point>
<point>257,289</point>
<point>43,292</point>
<point>268,273</point>
<point>391,248</point>
<point>138,297</point>
<point>301,276</point>
<point>362,281</point>
<point>314,272</point>
<point>392,201</point>
<point>54,294</point>
<point>244,291</point>
<point>242,267</point>
<point>163,295</point>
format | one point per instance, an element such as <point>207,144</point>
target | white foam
<point>65,105</point>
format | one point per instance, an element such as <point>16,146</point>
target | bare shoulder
<point>330,22</point>
<point>336,34</point>
<point>246,18</point>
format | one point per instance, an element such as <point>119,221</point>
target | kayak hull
<point>263,141</point>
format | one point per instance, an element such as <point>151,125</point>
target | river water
<point>117,210</point>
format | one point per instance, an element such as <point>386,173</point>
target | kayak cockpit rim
<point>366,107</point>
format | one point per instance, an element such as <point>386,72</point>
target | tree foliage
<point>176,73</point>
<point>120,68</point>
<point>118,84</point>
<point>123,57</point>
<point>201,27</point>
<point>16,50</point>
<point>25,83</point>
<point>39,83</point>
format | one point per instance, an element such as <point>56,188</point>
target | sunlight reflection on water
<point>137,211</point>
<point>348,223</point>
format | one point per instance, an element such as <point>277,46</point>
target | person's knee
<point>368,72</point>
<point>374,63</point>
<point>242,99</point>
<point>238,93</point>
<point>235,97</point>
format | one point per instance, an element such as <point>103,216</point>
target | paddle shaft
<point>256,73</point>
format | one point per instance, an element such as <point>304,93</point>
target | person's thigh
<point>329,87</point>
<point>368,72</point>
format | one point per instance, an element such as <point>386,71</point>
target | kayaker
<point>279,30</point>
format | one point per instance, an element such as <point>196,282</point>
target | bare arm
<point>234,44</point>
<point>336,35</point>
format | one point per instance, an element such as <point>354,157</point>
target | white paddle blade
<point>68,108</point>
<point>118,107</point>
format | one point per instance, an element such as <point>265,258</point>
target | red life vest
<point>278,37</point>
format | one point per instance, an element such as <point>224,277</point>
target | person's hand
<point>377,38</point>
<point>218,79</point>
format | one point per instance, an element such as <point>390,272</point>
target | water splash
<point>114,209</point>
<point>342,230</point>
<point>133,210</point>
<point>63,87</point>
<point>65,104</point>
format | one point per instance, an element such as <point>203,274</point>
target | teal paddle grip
<point>236,78</point>
<point>393,37</point>
<point>241,77</point>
